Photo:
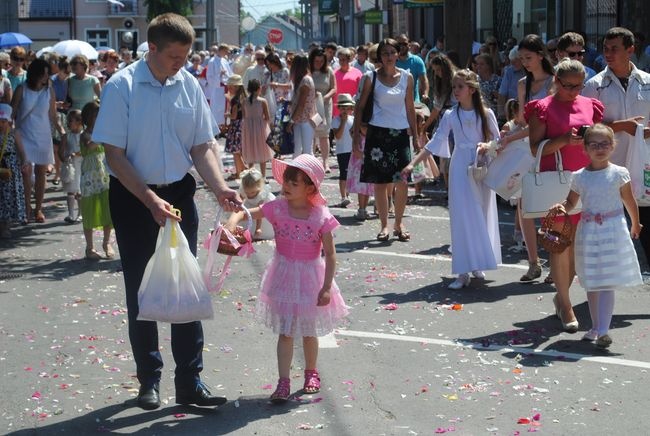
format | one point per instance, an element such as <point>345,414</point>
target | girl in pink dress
<point>299,296</point>
<point>256,128</point>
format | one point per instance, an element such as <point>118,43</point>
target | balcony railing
<point>123,8</point>
<point>52,9</point>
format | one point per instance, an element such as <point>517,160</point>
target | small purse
<point>67,171</point>
<point>366,115</point>
<point>478,170</point>
<point>554,241</point>
<point>540,190</point>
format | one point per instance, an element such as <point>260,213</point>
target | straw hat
<point>235,80</point>
<point>344,100</point>
<point>310,165</point>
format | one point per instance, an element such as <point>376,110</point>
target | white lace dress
<point>604,253</point>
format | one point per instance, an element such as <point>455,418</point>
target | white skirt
<point>604,255</point>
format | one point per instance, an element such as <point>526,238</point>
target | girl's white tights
<point>601,308</point>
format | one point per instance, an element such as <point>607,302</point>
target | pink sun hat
<point>307,163</point>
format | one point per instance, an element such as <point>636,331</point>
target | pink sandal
<point>282,391</point>
<point>312,382</point>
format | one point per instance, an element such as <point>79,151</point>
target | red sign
<point>275,36</point>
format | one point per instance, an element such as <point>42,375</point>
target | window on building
<point>98,37</point>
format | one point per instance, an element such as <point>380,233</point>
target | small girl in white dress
<point>604,254</point>
<point>255,193</point>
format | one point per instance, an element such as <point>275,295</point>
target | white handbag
<point>478,170</point>
<point>637,162</point>
<point>507,170</point>
<point>543,189</point>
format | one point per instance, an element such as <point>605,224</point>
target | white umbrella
<point>75,47</point>
<point>44,50</point>
<point>143,47</point>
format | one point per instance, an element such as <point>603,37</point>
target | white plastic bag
<point>507,170</point>
<point>637,162</point>
<point>172,288</point>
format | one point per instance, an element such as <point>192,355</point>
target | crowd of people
<point>394,113</point>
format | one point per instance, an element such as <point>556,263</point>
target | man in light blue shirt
<point>414,65</point>
<point>155,124</point>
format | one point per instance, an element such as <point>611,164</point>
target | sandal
<point>534,272</point>
<point>549,279</point>
<point>312,382</point>
<point>108,249</point>
<point>39,217</point>
<point>382,236</point>
<point>402,235</point>
<point>91,254</point>
<point>282,391</point>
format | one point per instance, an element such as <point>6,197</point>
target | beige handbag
<point>479,169</point>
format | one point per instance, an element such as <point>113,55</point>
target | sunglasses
<point>17,59</point>
<point>569,86</point>
<point>575,54</point>
<point>605,145</point>
<point>259,59</point>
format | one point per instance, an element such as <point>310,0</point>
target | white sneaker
<point>478,274</point>
<point>345,202</point>
<point>591,335</point>
<point>462,281</point>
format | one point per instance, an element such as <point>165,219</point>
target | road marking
<point>436,257</point>
<point>328,341</point>
<point>502,348</point>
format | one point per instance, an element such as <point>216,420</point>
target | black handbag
<point>370,103</point>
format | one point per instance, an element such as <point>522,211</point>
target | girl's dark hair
<point>252,88</point>
<point>274,59</point>
<point>535,44</point>
<point>74,115</point>
<point>35,72</point>
<point>384,42</point>
<point>294,174</point>
<point>471,80</point>
<point>313,54</point>
<point>441,88</point>
<point>89,114</point>
<point>299,69</point>
<point>511,108</point>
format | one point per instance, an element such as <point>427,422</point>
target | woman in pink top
<point>347,78</point>
<point>303,106</point>
<point>558,118</point>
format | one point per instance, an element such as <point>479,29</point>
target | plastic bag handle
<point>174,240</point>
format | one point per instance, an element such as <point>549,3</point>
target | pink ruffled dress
<point>294,275</point>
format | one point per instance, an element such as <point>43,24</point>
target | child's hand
<point>635,231</point>
<point>557,208</point>
<point>406,171</point>
<point>324,297</point>
<point>258,235</point>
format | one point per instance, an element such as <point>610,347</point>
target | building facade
<point>115,24</point>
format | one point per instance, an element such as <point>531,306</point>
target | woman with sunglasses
<point>557,118</point>
<point>17,74</point>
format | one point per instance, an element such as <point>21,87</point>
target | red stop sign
<point>275,36</point>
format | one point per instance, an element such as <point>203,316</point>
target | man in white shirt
<point>257,70</point>
<point>155,124</point>
<point>625,92</point>
<point>217,75</point>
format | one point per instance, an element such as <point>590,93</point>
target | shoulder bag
<point>366,115</point>
<point>542,189</point>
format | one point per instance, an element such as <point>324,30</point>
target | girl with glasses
<point>604,253</point>
<point>17,74</point>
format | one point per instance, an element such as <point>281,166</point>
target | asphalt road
<point>413,359</point>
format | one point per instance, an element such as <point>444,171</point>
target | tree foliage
<point>157,7</point>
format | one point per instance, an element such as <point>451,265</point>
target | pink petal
<point>523,421</point>
<point>267,387</point>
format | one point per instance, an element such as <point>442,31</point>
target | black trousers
<point>644,238</point>
<point>136,233</point>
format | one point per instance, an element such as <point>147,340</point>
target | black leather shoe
<point>148,397</point>
<point>200,396</point>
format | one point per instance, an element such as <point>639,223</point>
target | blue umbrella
<point>11,39</point>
